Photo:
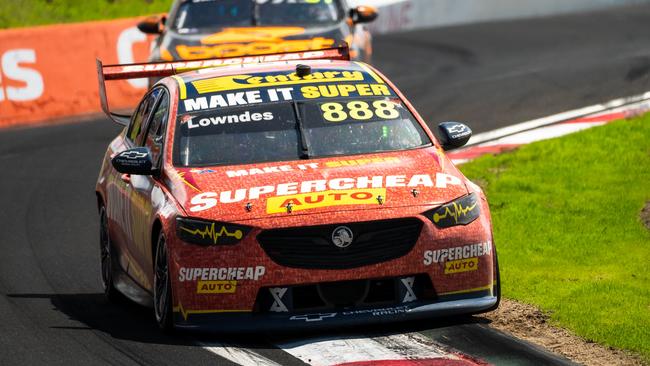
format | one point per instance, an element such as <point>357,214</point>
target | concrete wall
<point>399,15</point>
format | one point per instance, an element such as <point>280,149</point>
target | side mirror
<point>453,135</point>
<point>136,161</point>
<point>152,25</point>
<point>363,14</point>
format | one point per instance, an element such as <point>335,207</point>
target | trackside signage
<point>49,72</point>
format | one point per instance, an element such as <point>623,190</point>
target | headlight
<point>207,233</point>
<point>459,212</point>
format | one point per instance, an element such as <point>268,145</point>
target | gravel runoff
<point>529,323</point>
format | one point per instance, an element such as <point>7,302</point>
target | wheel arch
<point>156,228</point>
<point>100,200</point>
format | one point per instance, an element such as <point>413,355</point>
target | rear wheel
<point>162,295</point>
<point>107,257</point>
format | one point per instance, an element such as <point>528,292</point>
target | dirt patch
<point>528,323</point>
<point>645,215</point>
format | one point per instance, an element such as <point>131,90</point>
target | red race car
<point>288,191</point>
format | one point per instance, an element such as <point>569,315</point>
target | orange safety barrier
<point>49,72</point>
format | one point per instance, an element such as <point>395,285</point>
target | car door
<point>121,191</point>
<point>143,193</point>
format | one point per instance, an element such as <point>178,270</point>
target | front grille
<point>312,247</point>
<point>354,294</point>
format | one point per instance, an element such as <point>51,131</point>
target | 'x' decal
<point>277,293</point>
<point>408,284</point>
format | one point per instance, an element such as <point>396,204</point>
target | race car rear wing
<point>164,69</point>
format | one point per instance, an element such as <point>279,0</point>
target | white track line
<point>241,356</point>
<point>556,118</point>
<point>549,127</point>
<point>334,351</point>
<point>545,133</point>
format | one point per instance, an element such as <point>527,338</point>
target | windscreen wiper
<point>304,140</point>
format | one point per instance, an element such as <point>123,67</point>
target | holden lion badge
<point>342,237</point>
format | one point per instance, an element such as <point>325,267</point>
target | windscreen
<point>213,14</point>
<point>244,119</point>
<point>298,12</point>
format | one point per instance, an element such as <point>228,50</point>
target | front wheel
<point>162,294</point>
<point>107,258</point>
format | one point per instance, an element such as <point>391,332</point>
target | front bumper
<point>218,288</point>
<point>251,322</point>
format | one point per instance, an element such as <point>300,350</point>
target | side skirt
<point>131,289</point>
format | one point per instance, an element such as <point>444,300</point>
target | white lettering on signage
<point>125,42</point>
<point>13,70</point>
<point>313,55</point>
<point>221,274</point>
<point>456,253</point>
<point>235,99</point>
<point>203,201</point>
<point>271,169</point>
<point>207,200</point>
<point>221,120</point>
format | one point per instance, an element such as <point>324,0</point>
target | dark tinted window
<point>237,136</point>
<point>269,132</point>
<point>298,12</point>
<point>155,135</point>
<point>141,115</point>
<point>360,126</point>
<point>212,14</point>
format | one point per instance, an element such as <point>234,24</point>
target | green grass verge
<point>568,232</point>
<point>25,13</point>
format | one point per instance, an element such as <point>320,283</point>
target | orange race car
<point>202,29</point>
<point>286,191</point>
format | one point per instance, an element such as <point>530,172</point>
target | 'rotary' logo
<point>342,236</point>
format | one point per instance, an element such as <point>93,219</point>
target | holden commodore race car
<point>203,29</point>
<point>288,191</point>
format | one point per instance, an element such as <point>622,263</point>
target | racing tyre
<point>107,258</point>
<point>162,293</point>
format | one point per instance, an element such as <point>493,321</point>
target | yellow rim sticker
<point>370,72</point>
<point>181,86</point>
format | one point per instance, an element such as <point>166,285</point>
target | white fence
<point>397,15</point>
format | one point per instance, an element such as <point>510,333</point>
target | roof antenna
<point>303,70</point>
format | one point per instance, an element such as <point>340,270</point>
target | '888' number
<point>359,110</point>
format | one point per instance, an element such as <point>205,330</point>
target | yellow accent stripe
<point>369,71</point>
<point>181,175</point>
<point>186,313</point>
<point>488,287</point>
<point>211,232</point>
<point>181,86</point>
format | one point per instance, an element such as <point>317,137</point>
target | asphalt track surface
<point>490,75</point>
